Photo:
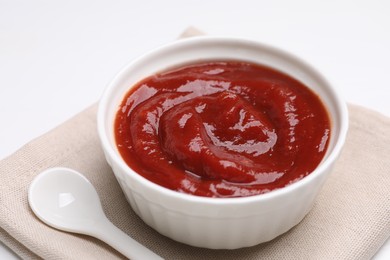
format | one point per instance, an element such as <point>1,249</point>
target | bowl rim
<point>340,106</point>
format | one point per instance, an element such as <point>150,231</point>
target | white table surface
<point>56,57</point>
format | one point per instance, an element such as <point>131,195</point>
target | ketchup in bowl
<point>222,129</point>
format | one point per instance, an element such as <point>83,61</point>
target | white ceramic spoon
<point>66,200</point>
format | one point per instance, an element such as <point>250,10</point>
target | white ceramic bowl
<point>219,223</point>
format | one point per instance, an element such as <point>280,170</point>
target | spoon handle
<point>120,241</point>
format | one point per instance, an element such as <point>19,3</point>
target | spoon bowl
<point>64,199</point>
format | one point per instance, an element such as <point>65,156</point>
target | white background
<point>56,57</point>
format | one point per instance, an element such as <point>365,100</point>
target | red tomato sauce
<point>222,129</point>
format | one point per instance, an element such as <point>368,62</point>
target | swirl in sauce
<point>222,129</point>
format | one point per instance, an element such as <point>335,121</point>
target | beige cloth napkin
<point>350,219</point>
